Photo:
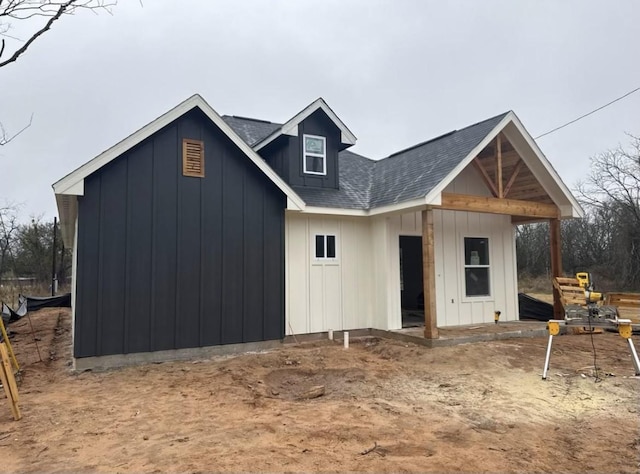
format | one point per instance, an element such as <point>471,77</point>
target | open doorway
<point>411,286</point>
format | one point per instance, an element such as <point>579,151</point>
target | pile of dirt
<point>384,406</point>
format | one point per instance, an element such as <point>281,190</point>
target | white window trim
<point>327,260</point>
<point>322,155</point>
<point>463,280</point>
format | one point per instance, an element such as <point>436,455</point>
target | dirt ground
<point>475,407</point>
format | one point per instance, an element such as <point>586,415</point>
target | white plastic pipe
<point>330,334</point>
<point>346,339</point>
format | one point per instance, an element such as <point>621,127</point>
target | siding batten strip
<point>100,270</point>
<point>152,267</point>
<point>201,264</point>
<point>127,263</point>
<point>178,222</point>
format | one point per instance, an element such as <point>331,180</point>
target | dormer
<point>304,150</point>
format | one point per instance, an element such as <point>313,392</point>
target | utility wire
<point>589,113</point>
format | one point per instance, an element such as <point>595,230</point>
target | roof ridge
<point>422,143</point>
<point>250,119</point>
<point>444,135</point>
<point>358,155</point>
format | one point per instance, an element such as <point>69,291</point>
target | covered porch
<point>518,182</point>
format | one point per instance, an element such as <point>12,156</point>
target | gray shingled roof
<point>356,179</point>
<point>403,176</point>
<point>251,130</point>
<point>414,172</point>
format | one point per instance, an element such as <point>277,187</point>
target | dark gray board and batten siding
<point>285,154</point>
<point>170,262</point>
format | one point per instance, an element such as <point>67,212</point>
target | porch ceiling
<point>499,161</point>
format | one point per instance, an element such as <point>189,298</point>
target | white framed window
<point>477,267</point>
<point>314,154</point>
<point>325,247</point>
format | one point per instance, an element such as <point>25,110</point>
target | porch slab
<point>467,334</point>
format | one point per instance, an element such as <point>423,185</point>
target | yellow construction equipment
<point>585,282</point>
<point>582,309</point>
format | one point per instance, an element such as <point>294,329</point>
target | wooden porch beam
<point>499,166</point>
<point>485,176</point>
<point>512,178</point>
<point>556,264</point>
<point>511,207</point>
<point>429,275</point>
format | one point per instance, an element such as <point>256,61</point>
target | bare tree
<point>34,17</point>
<point>612,189</point>
<point>37,17</point>
<point>9,226</point>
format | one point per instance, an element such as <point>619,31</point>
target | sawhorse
<point>624,329</point>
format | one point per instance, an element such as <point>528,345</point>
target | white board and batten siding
<point>360,288</point>
<point>333,293</point>
<point>453,308</point>
<point>502,258</point>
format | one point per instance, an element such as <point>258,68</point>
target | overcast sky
<point>396,72</point>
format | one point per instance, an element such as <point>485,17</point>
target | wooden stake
<point>9,382</point>
<point>9,348</point>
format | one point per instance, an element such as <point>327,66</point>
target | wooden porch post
<point>556,264</point>
<point>429,275</point>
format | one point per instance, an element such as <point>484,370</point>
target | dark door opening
<point>411,286</point>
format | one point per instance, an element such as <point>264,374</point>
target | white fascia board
<point>292,206</point>
<point>568,211</point>
<point>73,180</point>
<point>406,206</point>
<point>334,211</point>
<point>291,126</point>
<point>403,207</point>
<point>291,131</point>
<point>433,198</point>
<point>75,189</point>
<point>567,194</point>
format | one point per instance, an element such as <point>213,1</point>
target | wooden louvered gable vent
<point>193,158</point>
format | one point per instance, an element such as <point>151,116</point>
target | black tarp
<point>9,315</point>
<point>532,308</point>
<point>34,303</point>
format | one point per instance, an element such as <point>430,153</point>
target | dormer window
<point>314,154</point>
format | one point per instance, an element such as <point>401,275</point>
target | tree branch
<point>3,133</point>
<point>35,36</point>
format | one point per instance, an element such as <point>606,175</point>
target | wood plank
<point>9,382</point>
<point>485,177</point>
<point>512,178</point>
<point>511,207</point>
<point>429,275</point>
<point>509,158</point>
<point>556,265</point>
<point>626,300</point>
<point>499,166</point>
<point>5,338</point>
<point>519,220</point>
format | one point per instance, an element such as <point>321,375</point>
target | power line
<point>589,113</point>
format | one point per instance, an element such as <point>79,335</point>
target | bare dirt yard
<point>387,406</point>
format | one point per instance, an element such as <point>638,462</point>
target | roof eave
<point>73,183</point>
<point>290,128</point>
<point>566,202</point>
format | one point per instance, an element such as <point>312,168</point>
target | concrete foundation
<point>485,332</point>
